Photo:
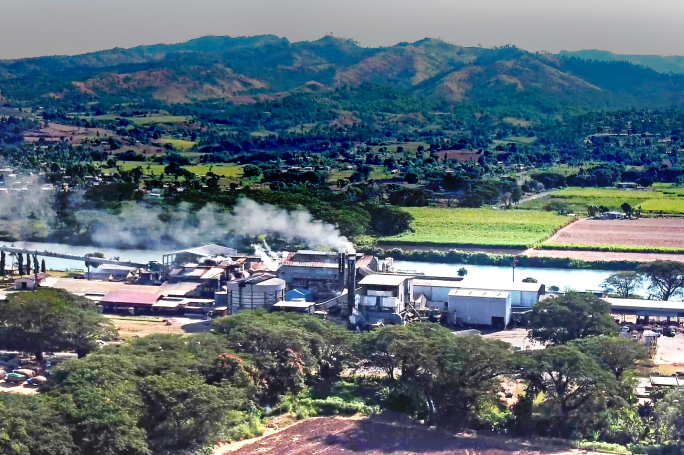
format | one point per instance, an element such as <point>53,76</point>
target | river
<point>140,256</point>
<point>579,280</point>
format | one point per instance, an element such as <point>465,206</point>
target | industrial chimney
<point>351,282</point>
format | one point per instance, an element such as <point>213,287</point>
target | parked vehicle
<point>15,378</point>
<point>671,331</point>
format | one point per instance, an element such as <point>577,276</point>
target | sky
<point>31,28</point>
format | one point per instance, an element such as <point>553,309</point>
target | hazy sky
<point>31,28</point>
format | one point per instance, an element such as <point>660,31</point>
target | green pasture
<point>481,227</point>
<point>667,200</point>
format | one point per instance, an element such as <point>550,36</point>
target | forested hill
<point>662,64</point>
<point>249,69</point>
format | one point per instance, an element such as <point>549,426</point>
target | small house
<point>29,282</point>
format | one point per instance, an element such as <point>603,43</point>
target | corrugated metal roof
<point>322,265</point>
<point>645,304</point>
<point>478,293</point>
<point>212,273</point>
<point>498,286</point>
<point>126,297</point>
<point>384,280</point>
<point>178,289</point>
<point>210,250</point>
<point>81,286</point>
<point>436,283</point>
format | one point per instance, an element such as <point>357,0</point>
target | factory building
<point>323,272</point>
<point>251,293</point>
<point>475,307</point>
<point>383,298</point>
<point>523,295</point>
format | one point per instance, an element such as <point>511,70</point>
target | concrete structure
<point>111,272</point>
<point>298,306</point>
<point>638,307</point>
<point>436,290</point>
<point>474,307</point>
<point>322,272</point>
<point>252,293</point>
<point>383,298</point>
<point>198,254</point>
<point>29,282</point>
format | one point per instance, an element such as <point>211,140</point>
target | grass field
<point>481,227</point>
<point>142,120</point>
<point>229,171</point>
<point>668,200</point>
<point>517,121</point>
<point>179,144</point>
<point>377,173</point>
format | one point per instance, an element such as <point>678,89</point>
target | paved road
<point>536,196</point>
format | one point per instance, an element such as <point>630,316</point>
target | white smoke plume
<point>139,225</point>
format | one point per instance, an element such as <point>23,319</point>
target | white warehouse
<point>436,290</point>
<point>474,307</point>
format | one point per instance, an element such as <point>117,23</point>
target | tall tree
<point>42,266</point>
<point>20,264</point>
<point>36,267</point>
<point>666,278</point>
<point>569,317</point>
<point>568,378</point>
<point>28,264</point>
<point>623,283</point>
<point>3,263</point>
<point>617,355</point>
<point>51,320</point>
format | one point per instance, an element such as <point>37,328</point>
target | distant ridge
<point>662,64</point>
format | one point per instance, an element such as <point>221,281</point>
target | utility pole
<point>514,263</point>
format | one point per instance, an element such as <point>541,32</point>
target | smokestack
<point>341,268</point>
<point>351,282</point>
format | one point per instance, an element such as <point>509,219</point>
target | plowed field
<point>645,232</point>
<point>374,436</point>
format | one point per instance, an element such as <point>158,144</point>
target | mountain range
<point>244,70</point>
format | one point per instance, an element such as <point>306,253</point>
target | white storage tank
<point>252,293</point>
<point>475,307</point>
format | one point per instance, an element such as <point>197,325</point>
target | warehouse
<point>523,295</point>
<point>476,307</point>
<point>259,291</point>
<point>435,289</point>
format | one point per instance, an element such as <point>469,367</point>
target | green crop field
<point>661,198</point>
<point>142,120</point>
<point>229,171</point>
<point>484,227</point>
<point>180,144</point>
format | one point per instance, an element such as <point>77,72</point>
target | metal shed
<point>490,308</point>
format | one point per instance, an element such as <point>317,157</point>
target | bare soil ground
<point>670,351</point>
<point>18,389</point>
<point>143,326</point>
<point>74,134</point>
<point>515,337</point>
<point>604,255</point>
<point>653,232</point>
<point>377,435</point>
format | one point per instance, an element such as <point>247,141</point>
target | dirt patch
<point>376,436</point>
<point>515,337</point>
<point>647,232</point>
<point>460,155</point>
<point>141,327</point>
<point>670,351</point>
<point>18,389</point>
<point>74,134</point>
<point>592,256</point>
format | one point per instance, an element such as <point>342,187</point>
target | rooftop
<point>477,293</point>
<point>649,304</point>
<point>128,297</point>
<point>384,280</point>
<point>210,250</point>
<point>499,286</point>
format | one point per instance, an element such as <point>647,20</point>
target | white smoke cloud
<point>140,225</point>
